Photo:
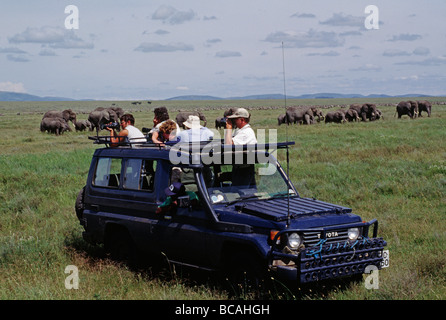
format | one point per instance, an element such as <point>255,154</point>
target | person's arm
<point>114,140</point>
<point>155,136</point>
<point>228,133</point>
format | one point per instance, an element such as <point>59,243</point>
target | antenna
<point>286,132</point>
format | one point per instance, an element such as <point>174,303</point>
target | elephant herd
<point>355,112</point>
<point>57,122</point>
<point>413,108</point>
<point>308,115</point>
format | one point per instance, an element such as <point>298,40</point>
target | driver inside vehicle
<point>177,196</point>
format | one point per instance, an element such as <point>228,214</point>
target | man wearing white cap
<point>242,174</point>
<point>195,131</point>
<point>244,133</point>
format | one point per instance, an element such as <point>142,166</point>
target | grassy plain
<point>393,170</point>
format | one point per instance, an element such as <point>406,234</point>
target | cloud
<point>211,42</point>
<point>173,16</point>
<point>367,67</point>
<point>303,15</point>
<point>421,51</point>
<point>227,54</point>
<point>405,37</point>
<point>47,53</point>
<point>330,53</point>
<point>395,53</point>
<point>55,37</point>
<point>310,39</point>
<point>435,61</point>
<point>12,87</point>
<point>342,20</point>
<point>158,47</point>
<point>12,50</point>
<point>17,58</point>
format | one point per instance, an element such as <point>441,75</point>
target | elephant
<point>378,115</point>
<point>54,125</point>
<point>335,116</point>
<point>182,117</point>
<point>82,125</point>
<point>424,106</point>
<point>281,119</point>
<point>407,108</point>
<point>350,114</point>
<point>67,115</point>
<point>317,113</point>
<point>365,111</point>
<point>219,123</point>
<point>101,116</point>
<point>299,115</point>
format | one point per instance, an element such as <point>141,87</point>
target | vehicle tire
<point>120,246</point>
<point>247,276</point>
<point>79,205</point>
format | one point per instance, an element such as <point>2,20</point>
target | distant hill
<point>304,96</point>
<point>14,96</point>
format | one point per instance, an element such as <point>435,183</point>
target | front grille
<point>312,238</point>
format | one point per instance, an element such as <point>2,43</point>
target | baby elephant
<point>82,125</point>
<point>54,125</point>
<point>335,116</point>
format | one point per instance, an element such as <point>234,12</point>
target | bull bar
<point>328,261</point>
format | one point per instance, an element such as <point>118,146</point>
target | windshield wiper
<point>242,198</point>
<point>282,194</point>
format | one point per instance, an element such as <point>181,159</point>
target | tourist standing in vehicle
<point>243,133</point>
<point>243,174</point>
<point>195,131</point>
<point>161,115</point>
<point>129,132</point>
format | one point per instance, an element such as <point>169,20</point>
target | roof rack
<point>189,146</point>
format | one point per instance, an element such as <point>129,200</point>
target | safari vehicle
<point>237,228</point>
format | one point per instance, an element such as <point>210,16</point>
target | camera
<point>222,122</point>
<point>113,125</point>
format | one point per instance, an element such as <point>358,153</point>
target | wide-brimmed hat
<point>192,122</point>
<point>239,113</point>
<point>175,189</point>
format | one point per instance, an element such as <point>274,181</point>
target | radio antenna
<point>286,133</point>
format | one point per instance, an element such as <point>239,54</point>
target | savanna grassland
<point>393,170</point>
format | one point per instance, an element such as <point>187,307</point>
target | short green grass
<point>393,170</point>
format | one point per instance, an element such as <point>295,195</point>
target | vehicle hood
<point>303,212</point>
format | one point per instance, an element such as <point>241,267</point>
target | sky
<point>155,50</point>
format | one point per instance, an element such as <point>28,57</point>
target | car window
<point>132,174</point>
<point>108,172</point>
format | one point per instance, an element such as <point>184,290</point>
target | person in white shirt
<point>243,134</point>
<point>128,131</point>
<point>195,131</point>
<point>243,175</point>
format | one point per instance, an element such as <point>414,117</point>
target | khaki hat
<point>192,122</point>
<point>239,113</point>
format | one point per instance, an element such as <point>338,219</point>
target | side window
<point>148,175</point>
<point>132,174</point>
<point>108,172</point>
<point>139,174</point>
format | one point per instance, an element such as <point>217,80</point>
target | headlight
<point>294,241</point>
<point>353,233</point>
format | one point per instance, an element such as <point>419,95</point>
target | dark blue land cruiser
<point>238,228</point>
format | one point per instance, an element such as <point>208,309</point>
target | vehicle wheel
<point>247,276</point>
<point>120,246</point>
<point>79,205</point>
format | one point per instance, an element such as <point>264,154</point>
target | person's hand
<point>108,128</point>
<point>229,124</point>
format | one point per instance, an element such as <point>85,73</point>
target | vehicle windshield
<point>227,183</point>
